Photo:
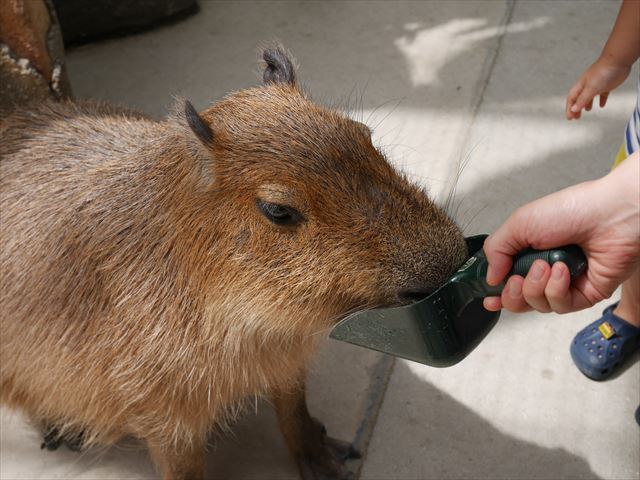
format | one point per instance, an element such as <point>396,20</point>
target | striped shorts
<point>631,141</point>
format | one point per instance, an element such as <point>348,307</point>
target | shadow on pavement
<point>453,442</point>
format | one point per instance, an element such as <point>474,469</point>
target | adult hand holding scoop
<point>444,327</point>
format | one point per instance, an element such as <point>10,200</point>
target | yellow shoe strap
<point>606,330</point>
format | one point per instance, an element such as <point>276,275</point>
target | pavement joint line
<point>380,377</point>
<point>384,367</point>
<point>481,87</point>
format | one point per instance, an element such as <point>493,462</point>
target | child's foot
<point>602,347</point>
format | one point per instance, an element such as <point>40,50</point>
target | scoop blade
<point>439,330</point>
<point>421,332</point>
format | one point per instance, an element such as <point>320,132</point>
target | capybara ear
<point>199,138</point>
<point>279,68</point>
<point>198,126</point>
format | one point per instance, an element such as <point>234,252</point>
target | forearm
<point>624,183</point>
<point>623,46</point>
<point>626,177</point>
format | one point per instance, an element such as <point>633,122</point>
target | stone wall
<point>32,66</point>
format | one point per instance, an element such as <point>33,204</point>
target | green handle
<point>571,255</point>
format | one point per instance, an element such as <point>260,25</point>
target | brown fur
<point>143,293</point>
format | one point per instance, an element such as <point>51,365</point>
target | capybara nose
<point>412,295</point>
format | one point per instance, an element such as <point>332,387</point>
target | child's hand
<point>599,79</point>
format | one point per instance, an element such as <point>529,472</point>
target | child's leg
<point>629,306</point>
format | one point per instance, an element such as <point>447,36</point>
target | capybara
<point>157,273</point>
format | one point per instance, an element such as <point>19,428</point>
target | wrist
<point>624,180</point>
<point>621,188</point>
<point>612,59</point>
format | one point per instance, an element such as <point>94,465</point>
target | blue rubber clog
<point>601,347</point>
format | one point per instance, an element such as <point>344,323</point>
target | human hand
<point>601,216</point>
<point>599,79</point>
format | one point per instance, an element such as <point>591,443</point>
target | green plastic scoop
<point>443,328</point>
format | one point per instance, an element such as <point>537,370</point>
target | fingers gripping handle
<point>571,255</point>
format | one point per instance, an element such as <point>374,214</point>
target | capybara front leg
<point>318,456</point>
<point>182,461</point>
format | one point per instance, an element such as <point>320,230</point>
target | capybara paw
<point>326,459</point>
<point>326,469</point>
<point>52,440</point>
<point>342,450</point>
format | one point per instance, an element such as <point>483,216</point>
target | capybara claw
<point>326,459</point>
<point>53,439</point>
<point>310,470</point>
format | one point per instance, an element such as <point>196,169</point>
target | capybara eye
<point>279,214</point>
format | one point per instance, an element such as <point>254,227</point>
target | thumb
<point>504,243</point>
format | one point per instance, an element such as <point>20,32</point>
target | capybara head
<point>311,219</point>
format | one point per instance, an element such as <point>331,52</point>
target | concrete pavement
<point>440,82</point>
